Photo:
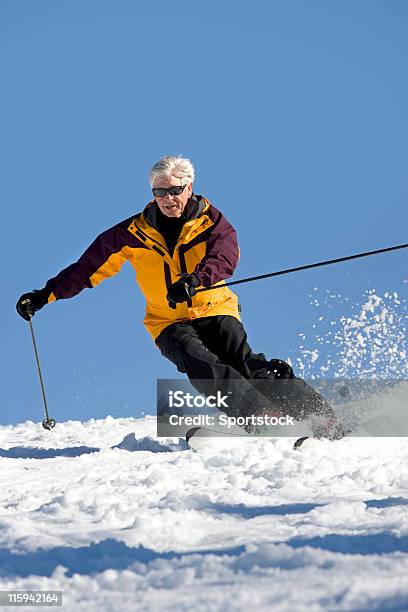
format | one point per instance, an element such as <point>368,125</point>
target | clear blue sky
<point>295,115</point>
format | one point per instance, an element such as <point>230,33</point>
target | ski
<point>300,441</point>
<point>209,432</point>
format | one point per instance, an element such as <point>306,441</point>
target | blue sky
<point>294,114</point>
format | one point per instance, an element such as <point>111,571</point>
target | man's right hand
<point>29,303</point>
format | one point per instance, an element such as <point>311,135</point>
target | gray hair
<point>170,165</point>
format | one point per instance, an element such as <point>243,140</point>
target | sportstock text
<point>180,399</point>
<point>207,420</point>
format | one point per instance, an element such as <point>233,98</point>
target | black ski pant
<point>215,354</point>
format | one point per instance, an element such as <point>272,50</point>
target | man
<point>179,244</point>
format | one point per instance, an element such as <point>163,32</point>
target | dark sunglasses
<point>160,192</point>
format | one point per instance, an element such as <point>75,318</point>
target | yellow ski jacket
<point>207,246</point>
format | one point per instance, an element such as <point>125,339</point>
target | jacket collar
<point>194,209</point>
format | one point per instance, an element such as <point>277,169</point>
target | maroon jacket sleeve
<point>222,251</point>
<point>103,256</point>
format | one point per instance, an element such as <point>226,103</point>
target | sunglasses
<point>161,192</point>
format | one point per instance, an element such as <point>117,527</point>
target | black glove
<point>182,290</point>
<point>29,303</point>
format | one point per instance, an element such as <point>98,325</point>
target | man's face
<point>172,205</point>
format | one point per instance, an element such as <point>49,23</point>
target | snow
<point>370,342</point>
<point>120,520</point>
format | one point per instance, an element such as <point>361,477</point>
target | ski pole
<point>306,267</point>
<point>48,423</point>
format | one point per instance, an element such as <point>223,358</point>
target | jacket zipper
<point>152,239</point>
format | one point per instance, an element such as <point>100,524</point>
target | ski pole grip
<point>27,301</point>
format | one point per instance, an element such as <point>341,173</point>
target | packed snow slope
<point>120,520</point>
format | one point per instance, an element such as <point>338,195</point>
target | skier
<point>177,244</point>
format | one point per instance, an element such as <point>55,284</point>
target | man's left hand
<point>182,290</point>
